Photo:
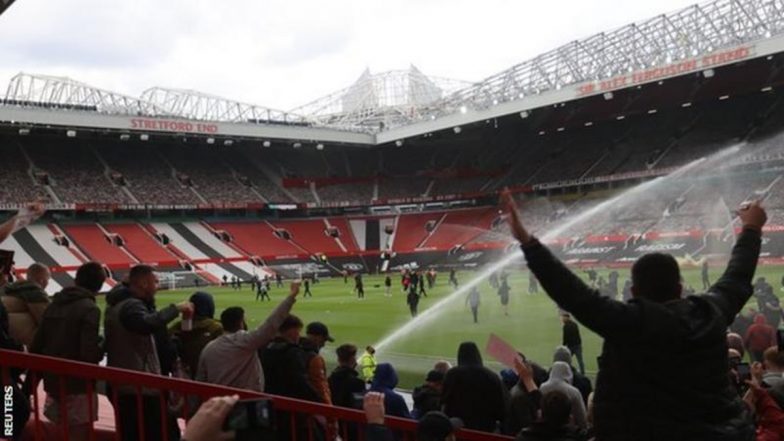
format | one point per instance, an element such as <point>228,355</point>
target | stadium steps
<point>315,192</point>
<point>273,177</point>
<point>430,234</point>
<point>197,243</point>
<point>595,164</point>
<point>70,256</point>
<point>191,253</point>
<point>91,238</point>
<point>142,245</point>
<point>37,253</point>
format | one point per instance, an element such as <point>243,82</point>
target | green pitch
<point>532,326</point>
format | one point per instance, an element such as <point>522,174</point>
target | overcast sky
<point>285,53</point>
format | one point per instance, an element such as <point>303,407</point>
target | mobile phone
<point>6,261</point>
<point>780,339</point>
<point>250,415</point>
<point>744,372</point>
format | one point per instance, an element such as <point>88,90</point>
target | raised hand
<point>513,217</point>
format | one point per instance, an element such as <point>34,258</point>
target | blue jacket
<point>385,381</point>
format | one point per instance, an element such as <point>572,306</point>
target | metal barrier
<point>299,418</point>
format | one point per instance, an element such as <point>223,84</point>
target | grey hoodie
<point>561,380</point>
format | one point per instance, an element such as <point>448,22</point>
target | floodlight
<point>71,133</point>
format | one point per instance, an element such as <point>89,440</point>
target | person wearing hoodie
<point>580,381</point>
<point>759,336</point>
<point>69,329</point>
<point>204,329</point>
<point>232,358</point>
<point>642,383</point>
<point>561,380</point>
<point>26,301</point>
<point>134,330</point>
<point>385,381</point>
<point>474,393</point>
<point>554,424</point>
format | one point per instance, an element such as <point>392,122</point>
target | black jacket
<point>571,334</point>
<point>70,330</point>
<point>344,383</point>
<point>663,369</point>
<point>474,393</point>
<point>426,399</point>
<point>542,432</point>
<point>285,371</point>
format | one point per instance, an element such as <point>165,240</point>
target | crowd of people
<point>669,369</point>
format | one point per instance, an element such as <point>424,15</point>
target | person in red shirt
<point>759,336</point>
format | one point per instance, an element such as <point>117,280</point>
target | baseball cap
<point>318,328</point>
<point>437,426</point>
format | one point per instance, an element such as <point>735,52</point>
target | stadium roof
<point>395,105</point>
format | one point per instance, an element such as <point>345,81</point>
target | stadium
<point>642,139</point>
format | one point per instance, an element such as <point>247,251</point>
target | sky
<point>285,53</point>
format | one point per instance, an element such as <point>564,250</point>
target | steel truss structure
<point>64,93</point>
<point>375,103</point>
<point>690,32</point>
<point>196,105</point>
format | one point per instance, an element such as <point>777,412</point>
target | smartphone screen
<point>744,372</point>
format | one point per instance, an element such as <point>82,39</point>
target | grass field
<point>532,326</point>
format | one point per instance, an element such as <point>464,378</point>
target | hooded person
<point>204,329</point>
<point>759,336</point>
<point>474,393</point>
<point>385,381</point>
<point>561,380</point>
<point>580,381</point>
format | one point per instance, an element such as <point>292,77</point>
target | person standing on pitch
<point>388,286</point>
<point>473,301</point>
<point>572,339</point>
<point>307,292</point>
<point>262,291</point>
<point>421,279</point>
<point>453,278</point>
<point>705,279</point>
<point>503,294</point>
<point>413,300</point>
<point>358,286</point>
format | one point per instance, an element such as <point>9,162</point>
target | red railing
<point>300,415</point>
